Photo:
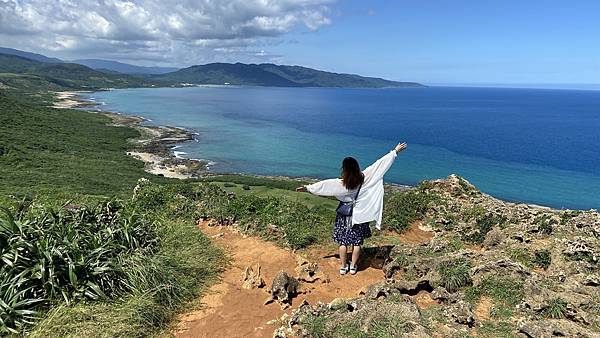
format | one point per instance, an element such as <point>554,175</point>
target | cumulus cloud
<point>164,31</point>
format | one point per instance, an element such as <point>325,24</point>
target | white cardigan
<point>369,205</point>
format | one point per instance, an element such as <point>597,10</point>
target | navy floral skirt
<point>355,235</point>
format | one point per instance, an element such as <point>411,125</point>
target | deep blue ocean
<point>532,145</point>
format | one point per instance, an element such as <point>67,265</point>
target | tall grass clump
<point>455,274</point>
<point>118,268</point>
<point>65,255</point>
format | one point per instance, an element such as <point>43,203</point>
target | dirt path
<point>232,311</point>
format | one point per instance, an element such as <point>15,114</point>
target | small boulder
<point>338,304</point>
<point>553,328</point>
<point>493,238</point>
<point>462,313</point>
<point>310,273</point>
<point>283,289</point>
<point>592,280</point>
<point>440,293</point>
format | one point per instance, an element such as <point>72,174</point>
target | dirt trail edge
<point>229,310</point>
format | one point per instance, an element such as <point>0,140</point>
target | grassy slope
<point>62,155</point>
<point>62,152</point>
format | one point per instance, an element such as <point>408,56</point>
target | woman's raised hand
<point>400,147</point>
<point>301,189</point>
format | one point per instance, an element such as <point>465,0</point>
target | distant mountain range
<point>98,73</point>
<point>268,74</point>
<point>28,55</point>
<point>21,72</point>
<point>124,68</point>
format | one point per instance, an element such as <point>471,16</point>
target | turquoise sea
<point>533,145</point>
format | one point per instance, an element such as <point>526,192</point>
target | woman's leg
<point>355,255</point>
<point>343,251</point>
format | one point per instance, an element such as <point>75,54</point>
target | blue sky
<point>458,41</point>
<point>433,42</point>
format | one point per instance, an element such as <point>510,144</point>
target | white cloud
<point>166,31</point>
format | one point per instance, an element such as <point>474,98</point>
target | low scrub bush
<point>556,308</point>
<point>403,208</point>
<point>542,259</point>
<point>455,274</point>
<point>483,224</point>
<point>545,223</point>
<point>567,215</point>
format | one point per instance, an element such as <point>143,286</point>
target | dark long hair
<point>352,176</point>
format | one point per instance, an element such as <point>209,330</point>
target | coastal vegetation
<point>62,153</point>
<point>92,245</point>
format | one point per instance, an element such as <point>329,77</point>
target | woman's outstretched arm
<point>330,187</point>
<point>382,165</point>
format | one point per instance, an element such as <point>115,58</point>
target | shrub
<point>542,258</point>
<point>228,185</point>
<point>555,308</point>
<point>246,187</point>
<point>567,215</point>
<point>403,208</point>
<point>474,213</point>
<point>455,274</point>
<point>483,225</point>
<point>545,223</point>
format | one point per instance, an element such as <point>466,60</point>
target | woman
<point>366,190</point>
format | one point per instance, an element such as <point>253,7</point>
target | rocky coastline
<point>156,144</point>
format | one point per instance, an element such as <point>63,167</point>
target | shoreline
<point>157,145</point>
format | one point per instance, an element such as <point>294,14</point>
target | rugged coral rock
<point>533,269</point>
<point>283,289</point>
<point>554,328</point>
<point>251,277</point>
<point>310,273</point>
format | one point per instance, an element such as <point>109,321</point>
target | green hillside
<point>274,75</point>
<point>54,76</point>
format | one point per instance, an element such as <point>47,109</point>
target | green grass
<point>455,274</point>
<point>158,284</point>
<point>556,308</point>
<point>497,329</point>
<point>63,153</point>
<point>505,293</point>
<point>403,208</point>
<point>279,183</point>
<point>271,190</point>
